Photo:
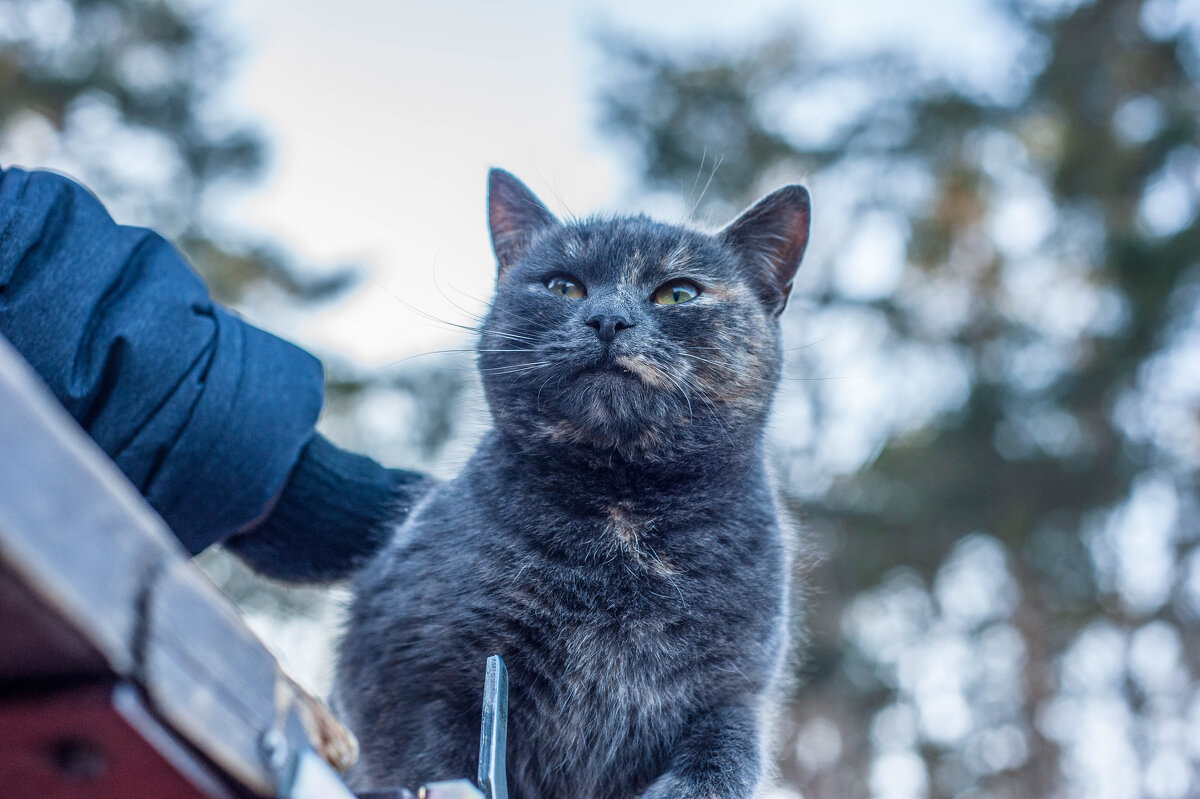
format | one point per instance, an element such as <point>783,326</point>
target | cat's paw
<point>665,787</point>
<point>671,786</point>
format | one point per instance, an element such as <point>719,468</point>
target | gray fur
<point>614,537</point>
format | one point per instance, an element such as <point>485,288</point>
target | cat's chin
<point>646,445</point>
<point>614,412</point>
<point>615,379</point>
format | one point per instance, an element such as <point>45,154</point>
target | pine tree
<point>121,95</point>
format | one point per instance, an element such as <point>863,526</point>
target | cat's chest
<point>625,542</point>
<point>601,693</point>
<point>629,576</point>
<point>641,540</point>
<point>614,621</point>
<point>638,598</point>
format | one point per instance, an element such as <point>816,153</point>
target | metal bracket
<point>493,738</point>
<point>305,775</point>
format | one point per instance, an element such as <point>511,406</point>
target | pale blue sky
<point>384,117</point>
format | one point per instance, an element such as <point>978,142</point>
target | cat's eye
<point>676,292</point>
<point>566,287</point>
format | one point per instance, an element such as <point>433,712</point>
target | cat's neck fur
<point>576,471</point>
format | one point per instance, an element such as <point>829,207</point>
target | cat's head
<point>631,337</point>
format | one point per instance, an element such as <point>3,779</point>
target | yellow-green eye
<point>566,287</point>
<point>675,293</point>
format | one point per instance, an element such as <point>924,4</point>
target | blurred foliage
<point>121,94</point>
<point>1003,498</point>
<point>125,96</point>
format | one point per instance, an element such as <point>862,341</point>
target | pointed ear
<point>515,215</point>
<point>772,235</point>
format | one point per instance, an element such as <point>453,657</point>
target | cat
<point>614,537</point>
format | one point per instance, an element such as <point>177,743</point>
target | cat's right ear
<point>515,216</point>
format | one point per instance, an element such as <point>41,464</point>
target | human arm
<point>211,418</point>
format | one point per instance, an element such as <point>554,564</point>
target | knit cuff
<point>336,511</point>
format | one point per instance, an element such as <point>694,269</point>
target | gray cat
<point>615,536</point>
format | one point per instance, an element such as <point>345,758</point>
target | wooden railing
<point>123,671</point>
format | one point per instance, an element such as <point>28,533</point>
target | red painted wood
<point>78,743</point>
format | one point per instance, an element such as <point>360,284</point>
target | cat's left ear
<point>515,215</point>
<point>772,234</point>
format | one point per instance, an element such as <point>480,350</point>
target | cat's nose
<point>607,325</point>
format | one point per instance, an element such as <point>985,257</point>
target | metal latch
<point>306,775</point>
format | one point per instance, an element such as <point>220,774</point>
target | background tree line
<point>990,426</point>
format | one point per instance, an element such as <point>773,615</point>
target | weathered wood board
<point>97,741</point>
<point>92,582</point>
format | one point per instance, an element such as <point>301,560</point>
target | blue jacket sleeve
<point>206,414</point>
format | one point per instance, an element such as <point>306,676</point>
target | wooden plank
<point>206,672</point>
<point>36,648</point>
<point>70,524</point>
<point>92,580</point>
<point>95,742</point>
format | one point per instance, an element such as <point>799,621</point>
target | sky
<point>383,118</point>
